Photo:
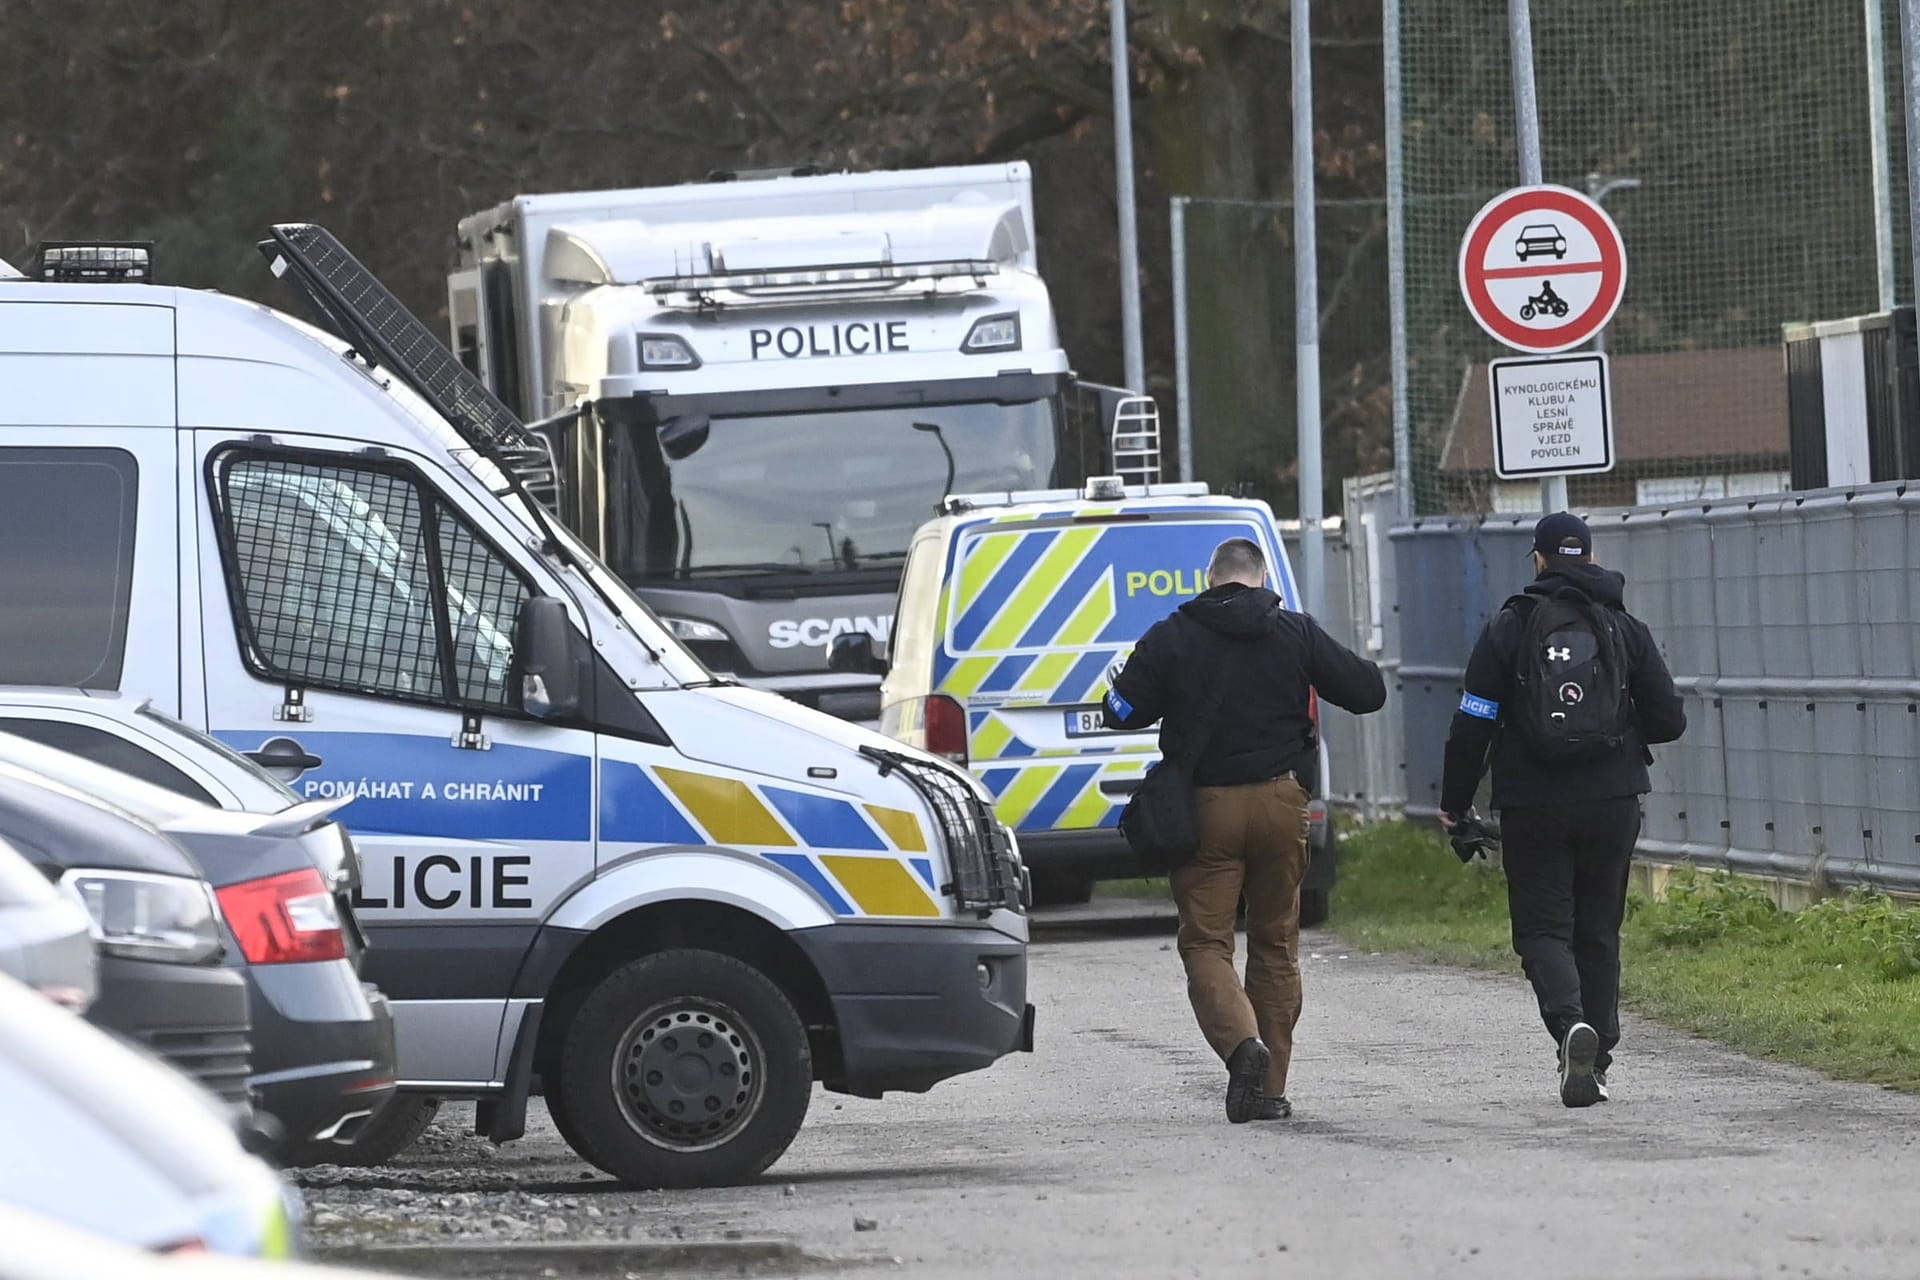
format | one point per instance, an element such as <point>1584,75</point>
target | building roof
<point>1669,409</point>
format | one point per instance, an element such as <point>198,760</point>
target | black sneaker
<point>1578,1086</point>
<point>1266,1107</point>
<point>1246,1069</point>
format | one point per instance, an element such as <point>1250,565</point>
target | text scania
<point>848,338</point>
<point>820,632</point>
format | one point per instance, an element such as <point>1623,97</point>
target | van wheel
<point>1060,889</point>
<point>393,1129</point>
<point>1315,906</point>
<point>684,1069</point>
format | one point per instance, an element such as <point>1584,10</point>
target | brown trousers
<point>1253,842</point>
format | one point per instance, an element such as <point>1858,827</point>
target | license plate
<point>1083,723</point>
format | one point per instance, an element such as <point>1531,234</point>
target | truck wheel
<point>1315,906</point>
<point>684,1069</point>
<point>393,1129</point>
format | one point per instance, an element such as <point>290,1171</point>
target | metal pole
<point>1182,372</point>
<point>1910,76</point>
<point>1403,505</point>
<point>1882,159</point>
<point>1123,194</point>
<point>1306,304</point>
<point>1526,129</point>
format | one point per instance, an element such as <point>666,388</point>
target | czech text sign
<point>1551,417</point>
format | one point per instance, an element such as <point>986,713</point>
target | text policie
<point>441,882</point>
<point>853,338</point>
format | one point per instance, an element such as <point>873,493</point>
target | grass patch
<point>1835,987</point>
<point>1151,887</point>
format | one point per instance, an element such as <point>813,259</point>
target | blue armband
<point>1480,708</point>
<point>1118,705</point>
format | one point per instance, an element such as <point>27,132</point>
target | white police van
<point>670,901</point>
<point>1013,608</point>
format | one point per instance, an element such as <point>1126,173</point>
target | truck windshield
<point>815,492</point>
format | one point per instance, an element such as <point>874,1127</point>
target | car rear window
<point>1052,587</point>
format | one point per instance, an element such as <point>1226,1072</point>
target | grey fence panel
<point>1792,629</point>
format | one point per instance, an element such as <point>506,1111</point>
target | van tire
<point>393,1129</point>
<point>745,1063</point>
<point>1315,906</point>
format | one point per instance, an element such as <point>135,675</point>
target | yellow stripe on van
<point>1024,792</point>
<point>1087,808</point>
<point>1042,581</point>
<point>991,738</point>
<point>900,827</point>
<point>1093,615</point>
<point>984,555</point>
<point>729,810</point>
<point>882,886</point>
<point>1045,675</point>
<point>967,675</point>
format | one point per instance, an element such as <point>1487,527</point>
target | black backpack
<point>1572,677</point>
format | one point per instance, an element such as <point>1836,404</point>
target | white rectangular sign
<point>1552,416</point>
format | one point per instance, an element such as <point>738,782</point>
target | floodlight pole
<point>1136,363</point>
<point>1526,129</point>
<point>1306,324</point>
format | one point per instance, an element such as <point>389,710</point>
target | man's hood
<point>1602,586</point>
<point>1232,609</point>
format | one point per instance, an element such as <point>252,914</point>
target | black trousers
<point>1567,892</point>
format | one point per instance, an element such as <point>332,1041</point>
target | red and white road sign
<point>1542,268</point>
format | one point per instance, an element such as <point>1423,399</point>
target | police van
<point>589,866</point>
<point>1012,608</point>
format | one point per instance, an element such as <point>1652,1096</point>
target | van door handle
<point>284,753</point>
<point>1121,786</point>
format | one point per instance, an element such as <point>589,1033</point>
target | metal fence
<point>1792,627</point>
<point>1736,142</point>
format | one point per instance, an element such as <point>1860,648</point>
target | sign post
<point>1543,269</point>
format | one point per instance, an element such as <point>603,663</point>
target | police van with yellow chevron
<point>1013,606</point>
<point>590,868</point>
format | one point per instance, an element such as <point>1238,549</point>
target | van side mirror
<point>543,645</point>
<point>682,436</point>
<point>858,654</point>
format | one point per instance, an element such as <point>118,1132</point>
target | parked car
<point>120,1146</point>
<point>323,1055</point>
<point>46,939</point>
<point>156,928</point>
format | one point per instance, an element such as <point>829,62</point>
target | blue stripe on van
<point>809,870</point>
<point>1006,673</point>
<point>634,810</point>
<point>924,866</point>
<point>824,822</point>
<point>1089,671</point>
<point>1066,788</point>
<point>1067,597</point>
<point>997,780</point>
<point>1000,588</point>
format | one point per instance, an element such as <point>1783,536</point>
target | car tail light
<point>946,728</point>
<point>284,919</point>
<point>1316,810</point>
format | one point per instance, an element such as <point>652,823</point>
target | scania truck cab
<point>756,388</point>
<point>589,866</point>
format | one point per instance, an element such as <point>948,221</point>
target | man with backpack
<point>1231,676</point>
<point>1568,690</point>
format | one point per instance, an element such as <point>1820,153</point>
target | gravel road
<point>1428,1142</point>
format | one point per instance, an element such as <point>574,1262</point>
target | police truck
<point>756,387</point>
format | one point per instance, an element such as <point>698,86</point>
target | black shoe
<point>1270,1108</point>
<point>1246,1069</point>
<point>1578,1087</point>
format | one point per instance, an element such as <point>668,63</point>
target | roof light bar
<point>95,261</point>
<point>797,278</point>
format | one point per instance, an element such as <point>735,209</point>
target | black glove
<point>1470,837</point>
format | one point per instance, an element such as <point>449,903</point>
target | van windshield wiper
<point>745,566</point>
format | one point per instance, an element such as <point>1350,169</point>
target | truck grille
<point>220,1058</point>
<point>985,876</point>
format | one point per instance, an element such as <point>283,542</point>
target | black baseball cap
<point>1562,534</point>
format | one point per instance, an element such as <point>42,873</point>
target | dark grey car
<point>155,922</point>
<point>323,1049</point>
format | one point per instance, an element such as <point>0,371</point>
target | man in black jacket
<point>1568,827</point>
<point>1234,658</point>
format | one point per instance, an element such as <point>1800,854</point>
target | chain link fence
<point>1743,132</point>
